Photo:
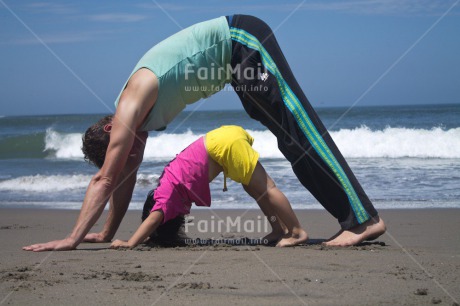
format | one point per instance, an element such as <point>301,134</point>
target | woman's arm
<point>100,187</point>
<point>145,229</point>
<point>122,195</point>
<point>137,100</point>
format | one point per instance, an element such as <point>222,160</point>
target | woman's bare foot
<point>293,239</point>
<point>371,229</point>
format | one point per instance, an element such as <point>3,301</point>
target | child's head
<point>96,140</point>
<point>169,233</point>
<point>148,205</point>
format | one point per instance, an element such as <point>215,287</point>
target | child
<point>186,179</point>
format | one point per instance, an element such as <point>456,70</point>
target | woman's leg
<point>274,98</point>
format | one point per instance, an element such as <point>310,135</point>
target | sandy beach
<point>416,263</point>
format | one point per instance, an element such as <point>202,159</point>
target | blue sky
<point>66,57</point>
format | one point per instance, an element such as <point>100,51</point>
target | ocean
<point>404,157</point>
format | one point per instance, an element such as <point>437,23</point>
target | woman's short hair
<point>96,141</point>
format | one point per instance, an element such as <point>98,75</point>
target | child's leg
<point>272,200</point>
<point>278,227</point>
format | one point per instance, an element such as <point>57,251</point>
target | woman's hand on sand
<point>95,238</point>
<point>117,244</point>
<point>56,245</point>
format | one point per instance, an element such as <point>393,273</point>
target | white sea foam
<point>46,183</point>
<point>147,179</point>
<point>165,146</point>
<point>361,142</point>
<point>56,183</point>
<point>398,142</point>
<point>67,146</point>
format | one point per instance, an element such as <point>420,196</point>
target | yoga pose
<point>185,180</point>
<point>196,63</point>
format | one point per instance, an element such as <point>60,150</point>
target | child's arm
<point>145,229</point>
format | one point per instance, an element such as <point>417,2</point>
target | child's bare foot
<point>371,229</point>
<point>273,237</point>
<point>293,239</point>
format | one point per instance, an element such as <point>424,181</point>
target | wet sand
<point>416,263</point>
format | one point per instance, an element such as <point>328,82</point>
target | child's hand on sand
<point>117,244</point>
<point>95,238</point>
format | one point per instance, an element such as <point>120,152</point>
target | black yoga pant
<point>270,94</point>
